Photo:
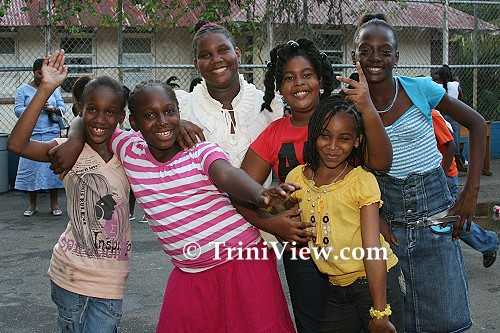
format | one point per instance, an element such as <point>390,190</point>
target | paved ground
<point>26,245</point>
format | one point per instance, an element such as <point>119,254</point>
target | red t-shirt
<point>281,144</point>
<point>443,135</point>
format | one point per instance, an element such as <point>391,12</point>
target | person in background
<point>484,241</point>
<point>33,176</point>
<point>444,77</point>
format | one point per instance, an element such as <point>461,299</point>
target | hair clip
<point>209,24</point>
<point>323,55</point>
<point>374,19</point>
<point>293,44</point>
<point>269,64</point>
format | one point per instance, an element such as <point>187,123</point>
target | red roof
<point>407,14</point>
<point>412,14</point>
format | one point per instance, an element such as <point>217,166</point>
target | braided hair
<point>303,47</point>
<point>203,28</point>
<point>445,75</point>
<point>132,98</point>
<point>320,119</point>
<point>374,19</point>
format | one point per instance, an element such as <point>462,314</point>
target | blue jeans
<point>453,186</point>
<point>347,309</point>
<point>484,241</point>
<point>456,132</point>
<point>437,296</point>
<point>308,289</point>
<point>83,314</point>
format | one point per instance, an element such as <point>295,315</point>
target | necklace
<point>340,174</point>
<point>393,100</point>
<point>318,202</point>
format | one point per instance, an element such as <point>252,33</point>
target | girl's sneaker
<point>143,219</point>
<point>131,217</point>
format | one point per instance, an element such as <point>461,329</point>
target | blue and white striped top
<point>412,135</point>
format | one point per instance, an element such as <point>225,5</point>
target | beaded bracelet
<point>381,314</point>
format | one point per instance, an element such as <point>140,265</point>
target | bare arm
<point>376,269</point>
<point>379,148</point>
<point>386,231</point>
<point>474,122</point>
<point>460,93</point>
<point>283,225</point>
<point>448,156</point>
<point>65,155</point>
<point>237,183</point>
<point>53,74</point>
<point>255,166</point>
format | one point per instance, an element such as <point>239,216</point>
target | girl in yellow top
<point>343,200</point>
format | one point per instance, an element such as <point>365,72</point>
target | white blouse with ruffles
<point>201,109</point>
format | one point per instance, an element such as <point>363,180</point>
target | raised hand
<point>54,71</point>
<point>359,94</point>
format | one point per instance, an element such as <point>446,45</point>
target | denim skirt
<point>437,296</point>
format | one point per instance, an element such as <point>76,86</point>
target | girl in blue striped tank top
<point>414,190</point>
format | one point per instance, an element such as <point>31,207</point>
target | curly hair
<point>320,119</point>
<point>132,98</point>
<point>374,19</point>
<point>303,47</point>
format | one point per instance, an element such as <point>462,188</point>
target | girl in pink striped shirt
<point>225,278</point>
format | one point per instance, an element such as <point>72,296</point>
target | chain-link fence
<point>463,34</point>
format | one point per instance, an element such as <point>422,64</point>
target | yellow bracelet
<point>381,314</point>
<point>267,209</point>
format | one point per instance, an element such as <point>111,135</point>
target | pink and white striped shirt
<point>187,211</point>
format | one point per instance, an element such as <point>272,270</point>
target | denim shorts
<point>83,314</point>
<point>437,296</point>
